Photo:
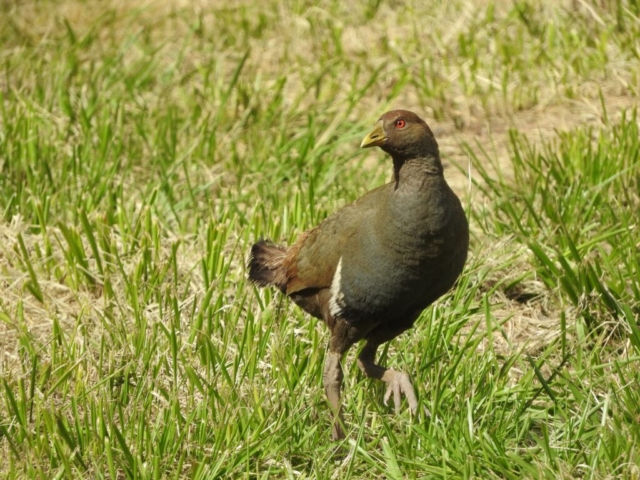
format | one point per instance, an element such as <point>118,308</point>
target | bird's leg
<point>343,335</point>
<point>332,384</point>
<point>398,383</point>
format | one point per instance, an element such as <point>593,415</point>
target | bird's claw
<point>399,384</point>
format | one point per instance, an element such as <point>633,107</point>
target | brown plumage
<point>373,266</point>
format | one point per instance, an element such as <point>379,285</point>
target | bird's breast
<point>402,262</point>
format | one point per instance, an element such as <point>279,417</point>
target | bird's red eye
<point>400,123</point>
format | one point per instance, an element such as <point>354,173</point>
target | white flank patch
<point>336,295</point>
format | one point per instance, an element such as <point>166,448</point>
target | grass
<point>143,149</point>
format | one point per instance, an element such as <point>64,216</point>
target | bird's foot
<point>398,384</point>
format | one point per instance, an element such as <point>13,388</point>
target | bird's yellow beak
<point>376,137</point>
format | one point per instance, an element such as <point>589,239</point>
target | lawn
<point>144,146</point>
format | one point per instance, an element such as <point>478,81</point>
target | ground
<point>144,147</point>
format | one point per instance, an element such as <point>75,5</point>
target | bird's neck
<point>417,210</point>
<point>416,172</point>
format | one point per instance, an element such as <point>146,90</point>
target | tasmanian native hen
<point>373,266</point>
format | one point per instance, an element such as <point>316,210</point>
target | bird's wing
<point>312,261</point>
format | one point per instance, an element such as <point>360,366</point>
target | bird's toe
<point>401,384</point>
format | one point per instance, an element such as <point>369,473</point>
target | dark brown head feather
<point>413,140</point>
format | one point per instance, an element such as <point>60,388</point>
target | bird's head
<point>403,135</point>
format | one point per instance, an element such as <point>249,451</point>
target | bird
<point>371,268</point>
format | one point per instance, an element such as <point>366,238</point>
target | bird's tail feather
<point>266,264</point>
